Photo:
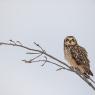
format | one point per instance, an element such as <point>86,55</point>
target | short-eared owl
<point>76,56</point>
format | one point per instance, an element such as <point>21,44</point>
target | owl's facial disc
<point>70,41</point>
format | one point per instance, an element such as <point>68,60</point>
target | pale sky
<point>47,22</point>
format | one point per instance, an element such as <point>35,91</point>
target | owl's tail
<point>87,72</point>
<point>90,73</point>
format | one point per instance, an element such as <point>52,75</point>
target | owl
<point>77,56</point>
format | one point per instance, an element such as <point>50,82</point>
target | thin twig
<point>31,60</point>
<point>19,42</point>
<point>39,46</point>
<point>44,61</point>
<point>53,64</point>
<point>36,57</point>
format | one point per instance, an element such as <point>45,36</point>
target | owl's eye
<point>73,40</point>
<point>67,40</point>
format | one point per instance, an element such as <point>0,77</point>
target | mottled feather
<point>80,55</point>
<point>77,56</point>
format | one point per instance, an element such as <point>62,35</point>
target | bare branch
<point>32,53</point>
<point>41,52</point>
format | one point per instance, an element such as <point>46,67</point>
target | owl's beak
<point>70,41</point>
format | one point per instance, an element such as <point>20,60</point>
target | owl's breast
<point>68,57</point>
<point>67,54</point>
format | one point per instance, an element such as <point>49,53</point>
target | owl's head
<point>70,41</point>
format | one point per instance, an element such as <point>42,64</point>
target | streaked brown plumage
<point>76,56</point>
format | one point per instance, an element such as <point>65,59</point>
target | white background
<point>47,22</point>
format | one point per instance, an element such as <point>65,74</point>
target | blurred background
<point>46,22</point>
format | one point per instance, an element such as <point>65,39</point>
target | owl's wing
<point>79,54</point>
<point>84,51</point>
